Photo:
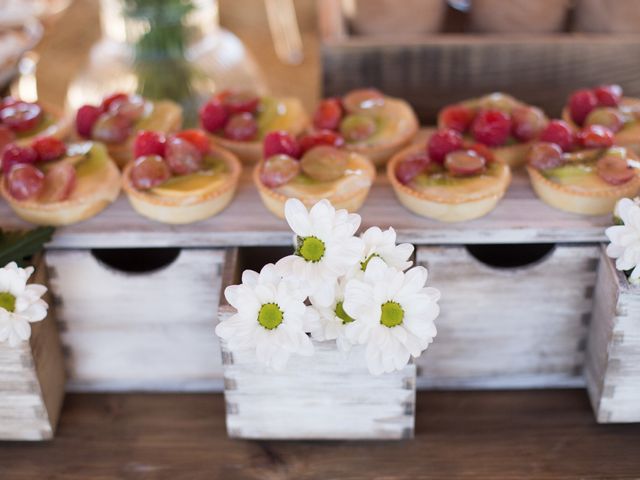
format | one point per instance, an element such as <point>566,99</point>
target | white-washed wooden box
<point>518,327</point>
<point>32,380</point>
<point>613,348</point>
<point>329,396</point>
<point>149,330</point>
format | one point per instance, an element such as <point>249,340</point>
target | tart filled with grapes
<point>313,168</point>
<point>21,122</point>
<point>180,178</point>
<point>499,121</point>
<point>117,120</point>
<point>607,107</point>
<point>239,120</point>
<point>50,183</point>
<point>371,123</point>
<point>589,182</point>
<point>448,179</point>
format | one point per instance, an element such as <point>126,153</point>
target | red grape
<point>559,132</point>
<point>614,169</point>
<point>608,95</point>
<point>320,137</point>
<point>324,163</point>
<point>411,166</point>
<point>59,182</point>
<point>595,136</point>
<point>197,138</point>
<point>115,97</point>
<point>279,169</point>
<point>21,116</point>
<point>456,117</point>
<point>606,116</point>
<point>24,182</point>
<point>241,127</point>
<point>149,171</point>
<point>131,107</point>
<point>6,136</point>
<point>491,127</point>
<point>527,123</point>
<point>182,156</point>
<point>544,155</point>
<point>356,128</point>
<point>49,148</point>
<point>328,114</point>
<point>213,116</point>
<point>280,142</point>
<point>240,101</point>
<point>149,143</point>
<point>463,163</point>
<point>362,98</point>
<point>110,128</point>
<point>580,105</point>
<point>442,142</point>
<point>482,150</point>
<point>86,117</point>
<point>13,154</point>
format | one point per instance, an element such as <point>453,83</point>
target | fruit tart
<point>239,120</point>
<point>499,121</point>
<point>116,121</point>
<point>21,121</point>
<point>50,183</point>
<point>179,178</point>
<point>311,170</point>
<point>606,106</point>
<point>447,179</point>
<point>589,182</point>
<point>371,123</point>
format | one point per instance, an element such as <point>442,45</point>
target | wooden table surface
<point>481,435</point>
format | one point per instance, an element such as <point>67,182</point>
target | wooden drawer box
<point>509,327</point>
<point>150,329</point>
<point>613,348</point>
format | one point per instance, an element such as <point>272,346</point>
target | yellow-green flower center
<point>342,315</point>
<point>310,248</point>
<point>7,301</point>
<point>363,265</point>
<point>391,314</point>
<point>270,316</point>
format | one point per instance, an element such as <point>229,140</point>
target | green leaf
<point>18,246</point>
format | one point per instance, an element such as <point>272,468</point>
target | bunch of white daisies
<point>625,238</point>
<point>336,286</point>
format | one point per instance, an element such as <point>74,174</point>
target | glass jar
<point>171,49</point>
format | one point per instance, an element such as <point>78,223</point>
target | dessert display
<point>314,168</point>
<point>179,178</point>
<point>50,183</point>
<point>239,120</point>
<point>371,123</point>
<point>447,179</point>
<point>116,121</point>
<point>606,106</point>
<point>588,181</point>
<point>499,121</point>
<point>21,121</point>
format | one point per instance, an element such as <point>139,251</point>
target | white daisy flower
<point>332,320</point>
<point>394,314</point>
<point>271,318</point>
<point>382,244</point>
<point>20,304</point>
<point>326,247</point>
<point>625,239</point>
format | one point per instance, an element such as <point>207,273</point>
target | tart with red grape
<point>239,120</point>
<point>50,183</point>
<point>499,121</point>
<point>588,182</point>
<point>119,117</point>
<point>311,169</point>
<point>180,178</point>
<point>21,122</point>
<point>448,179</point>
<point>607,107</point>
<point>371,123</point>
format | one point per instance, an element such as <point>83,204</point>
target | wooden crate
<point>148,330</point>
<point>32,379</point>
<point>325,397</point>
<point>613,348</point>
<point>509,327</point>
<point>431,71</point>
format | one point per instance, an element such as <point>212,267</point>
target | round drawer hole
<point>510,255</point>
<point>136,260</point>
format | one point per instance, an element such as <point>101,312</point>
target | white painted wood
<point>508,328</point>
<point>519,218</point>
<point>139,331</point>
<point>613,349</point>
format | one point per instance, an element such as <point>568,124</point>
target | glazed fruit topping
<point>213,115</point>
<point>527,123</point>
<point>544,155</point>
<point>86,117</point>
<point>182,156</point>
<point>324,163</point>
<point>463,163</point>
<point>49,148</point>
<point>412,166</point>
<point>580,105</point>
<point>241,127</point>
<point>613,167</point>
<point>357,128</point>
<point>279,169</point>
<point>482,150</point>
<point>608,95</point>
<point>491,127</point>
<point>442,142</point>
<point>197,138</point>
<point>113,120</point>
<point>21,116</point>
<point>320,137</point>
<point>24,181</point>
<point>59,182</point>
<point>457,117</point>
<point>558,132</point>
<point>362,98</point>
<point>14,154</point>
<point>280,142</point>
<point>149,143</point>
<point>608,117</point>
<point>111,128</point>
<point>595,136</point>
<point>328,114</point>
<point>149,171</point>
